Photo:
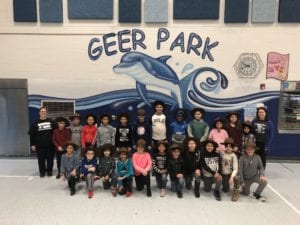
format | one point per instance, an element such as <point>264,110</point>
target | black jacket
<point>107,166</point>
<point>175,166</point>
<point>211,163</point>
<point>191,162</point>
<point>41,133</point>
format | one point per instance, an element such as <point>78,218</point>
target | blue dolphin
<point>150,71</point>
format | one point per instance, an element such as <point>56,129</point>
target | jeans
<point>177,184</point>
<point>161,180</point>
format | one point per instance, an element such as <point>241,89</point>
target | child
<point>107,168</point>
<point>123,132</point>
<point>141,129</point>
<point>198,128</point>
<point>76,130</point>
<point>176,170</point>
<point>230,169</point>
<point>251,170</point>
<point>159,163</point>
<point>124,172</point>
<point>69,166</point>
<point>88,169</point>
<point>218,134</point>
<point>105,133</point>
<point>178,128</point>
<point>89,132</point>
<point>159,123</point>
<point>60,136</point>
<point>192,165</point>
<point>142,165</point>
<point>234,129</point>
<point>211,164</point>
<point>247,134</point>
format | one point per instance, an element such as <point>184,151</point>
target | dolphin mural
<point>147,70</point>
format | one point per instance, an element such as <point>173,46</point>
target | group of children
<point>224,156</point>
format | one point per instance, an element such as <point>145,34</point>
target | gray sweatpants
<point>90,181</point>
<point>248,183</point>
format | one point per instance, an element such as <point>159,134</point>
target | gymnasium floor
<point>26,199</point>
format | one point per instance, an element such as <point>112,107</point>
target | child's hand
<point>231,181</point>
<point>81,175</point>
<point>92,169</point>
<point>179,175</point>
<point>235,149</point>
<point>198,173</point>
<point>73,173</point>
<point>145,173</point>
<point>263,178</point>
<point>60,148</point>
<point>106,177</point>
<point>162,171</point>
<point>33,148</point>
<point>217,176</point>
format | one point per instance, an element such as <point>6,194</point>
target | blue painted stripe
<point>25,11</point>
<point>236,11</point>
<point>51,11</point>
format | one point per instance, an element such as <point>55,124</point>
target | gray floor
<point>28,200</point>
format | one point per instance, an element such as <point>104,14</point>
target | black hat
<point>165,143</point>
<point>123,114</point>
<point>123,150</point>
<point>76,115</point>
<point>202,111</point>
<point>158,103</point>
<point>247,124</point>
<point>71,143</point>
<point>215,144</point>
<point>218,119</point>
<point>175,146</point>
<point>62,119</point>
<point>228,141</point>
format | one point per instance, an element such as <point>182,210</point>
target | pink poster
<point>277,66</point>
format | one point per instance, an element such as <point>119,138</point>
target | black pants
<point>71,183</point>
<point>45,160</point>
<point>58,155</point>
<point>111,182</point>
<point>261,152</point>
<point>141,181</point>
<point>126,185</point>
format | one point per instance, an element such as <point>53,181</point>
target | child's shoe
<point>197,193</point>
<point>235,195</point>
<point>217,195</point>
<point>90,194</point>
<point>259,197</point>
<point>58,176</point>
<point>113,192</point>
<point>179,194</point>
<point>149,194</point>
<point>72,192</point>
<point>128,194</point>
<point>188,185</point>
<point>163,193</point>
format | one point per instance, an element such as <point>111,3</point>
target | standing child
<point>159,164</point>
<point>230,169</point>
<point>198,128</point>
<point>234,129</point>
<point>69,165</point>
<point>178,128</point>
<point>142,165</point>
<point>141,128</point>
<point>176,170</point>
<point>192,165</point>
<point>88,169</point>
<point>159,123</point>
<point>124,172</point>
<point>105,133</point>
<point>107,168</point>
<point>247,134</point>
<point>60,136</point>
<point>251,170</point>
<point>89,132</point>
<point>218,134</point>
<point>76,130</point>
<point>123,133</point>
<point>211,164</point>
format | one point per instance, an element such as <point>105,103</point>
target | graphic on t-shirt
<point>44,126</point>
<point>141,130</point>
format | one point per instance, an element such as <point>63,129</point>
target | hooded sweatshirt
<point>250,167</point>
<point>41,133</point>
<point>211,163</point>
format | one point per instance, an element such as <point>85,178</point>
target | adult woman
<point>264,132</point>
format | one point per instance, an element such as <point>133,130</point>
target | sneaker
<point>128,194</point>
<point>42,175</point>
<point>58,176</point>
<point>235,195</point>
<point>49,174</point>
<point>163,193</point>
<point>259,197</point>
<point>179,194</point>
<point>90,194</point>
<point>149,194</point>
<point>217,195</point>
<point>72,192</point>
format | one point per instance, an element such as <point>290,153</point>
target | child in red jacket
<point>89,132</point>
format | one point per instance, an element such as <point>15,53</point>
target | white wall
<point>54,56</point>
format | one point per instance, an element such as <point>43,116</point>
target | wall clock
<point>248,65</point>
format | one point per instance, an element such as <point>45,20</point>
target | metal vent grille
<point>59,108</point>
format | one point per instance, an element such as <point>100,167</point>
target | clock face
<point>248,65</point>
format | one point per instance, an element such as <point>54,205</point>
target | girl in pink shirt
<point>142,164</point>
<point>218,134</point>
